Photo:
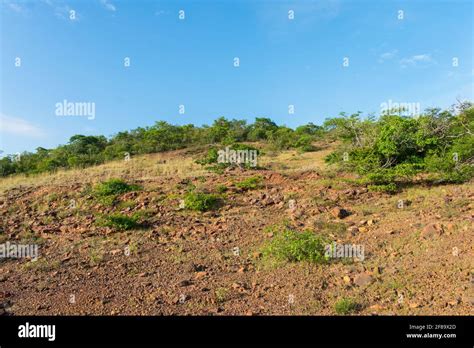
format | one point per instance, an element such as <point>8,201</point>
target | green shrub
<point>395,149</point>
<point>221,188</point>
<point>114,187</point>
<point>119,221</point>
<point>210,158</point>
<point>346,306</point>
<point>292,246</point>
<point>251,183</point>
<point>201,201</point>
<point>387,188</point>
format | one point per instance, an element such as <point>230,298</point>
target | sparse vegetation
<point>198,251</point>
<point>201,201</point>
<point>221,188</point>
<point>251,183</point>
<point>293,246</point>
<point>346,306</point>
<point>221,294</point>
<point>114,187</point>
<point>395,149</point>
<point>119,222</point>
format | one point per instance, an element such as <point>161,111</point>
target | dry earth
<point>418,256</point>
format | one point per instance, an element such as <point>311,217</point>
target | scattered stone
<point>184,283</point>
<point>257,255</point>
<point>353,229</point>
<point>200,275</point>
<point>236,286</point>
<point>454,302</point>
<point>432,230</point>
<point>378,270</point>
<point>340,213</point>
<point>363,279</point>
<point>376,307</point>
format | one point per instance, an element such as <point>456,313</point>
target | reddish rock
<point>363,279</point>
<point>340,213</point>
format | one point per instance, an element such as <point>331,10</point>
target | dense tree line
<point>82,151</point>
<point>383,151</point>
<point>437,146</point>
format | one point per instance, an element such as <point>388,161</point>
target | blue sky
<point>190,61</point>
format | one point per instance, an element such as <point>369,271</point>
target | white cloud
<point>15,7</point>
<point>108,5</point>
<point>66,13</point>
<point>18,126</point>
<point>63,11</point>
<point>416,60</point>
<point>387,55</point>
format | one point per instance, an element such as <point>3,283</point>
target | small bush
<point>120,222</point>
<point>201,201</point>
<point>221,294</point>
<point>388,188</point>
<point>114,187</point>
<point>396,148</point>
<point>346,306</point>
<point>293,246</point>
<point>221,188</point>
<point>251,183</point>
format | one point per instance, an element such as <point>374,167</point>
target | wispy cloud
<point>15,7</point>
<point>161,12</point>
<point>18,126</point>
<point>275,15</point>
<point>62,10</point>
<point>387,55</point>
<point>66,12</point>
<point>108,5</point>
<point>419,59</point>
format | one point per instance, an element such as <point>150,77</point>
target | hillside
<point>170,259</point>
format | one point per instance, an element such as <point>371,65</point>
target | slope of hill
<point>148,252</point>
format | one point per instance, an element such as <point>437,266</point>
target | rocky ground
<point>418,253</point>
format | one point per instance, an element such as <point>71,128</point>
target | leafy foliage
<point>201,201</point>
<point>395,149</point>
<point>82,151</point>
<point>251,183</point>
<point>294,246</point>
<point>346,306</point>
<point>114,187</point>
<point>119,222</point>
